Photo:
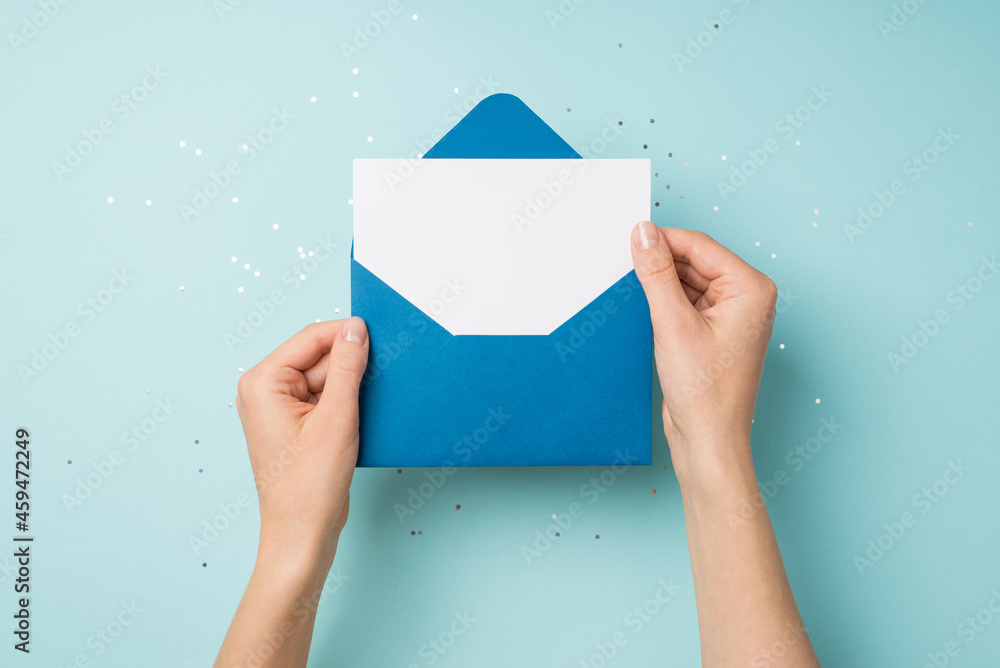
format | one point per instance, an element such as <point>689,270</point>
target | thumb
<point>669,307</point>
<point>348,359</point>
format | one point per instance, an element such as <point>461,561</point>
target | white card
<point>499,247</point>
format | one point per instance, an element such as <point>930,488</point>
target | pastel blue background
<point>846,307</point>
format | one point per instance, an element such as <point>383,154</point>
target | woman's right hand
<point>712,315</point>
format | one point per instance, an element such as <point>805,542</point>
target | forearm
<point>745,604</point>
<point>273,624</point>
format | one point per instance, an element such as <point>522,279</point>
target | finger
<point>346,366</point>
<point>692,294</point>
<point>690,276</point>
<point>306,347</point>
<point>669,306</point>
<point>315,379</point>
<point>704,254</point>
<point>704,302</point>
<point>316,374</point>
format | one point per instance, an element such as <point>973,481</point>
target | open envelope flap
<point>447,400</point>
<point>513,131</point>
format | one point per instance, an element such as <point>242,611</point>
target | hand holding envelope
<point>483,349</point>
<point>712,316</point>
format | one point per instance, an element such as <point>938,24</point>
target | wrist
<point>720,485</point>
<point>713,464</point>
<point>301,562</point>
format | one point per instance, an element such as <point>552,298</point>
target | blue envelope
<point>581,395</point>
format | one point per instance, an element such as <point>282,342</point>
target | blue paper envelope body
<point>581,395</point>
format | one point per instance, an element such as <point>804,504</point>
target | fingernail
<point>355,331</point>
<point>647,235</point>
